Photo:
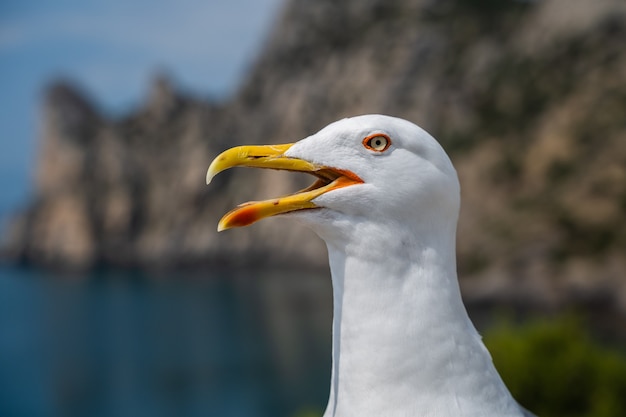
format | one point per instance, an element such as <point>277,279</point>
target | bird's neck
<point>401,335</point>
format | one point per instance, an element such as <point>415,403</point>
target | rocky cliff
<point>529,99</point>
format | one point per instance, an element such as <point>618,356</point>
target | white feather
<point>403,344</point>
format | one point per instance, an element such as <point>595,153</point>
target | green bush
<point>553,368</point>
<point>309,413</point>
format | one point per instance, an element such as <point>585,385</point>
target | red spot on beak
<point>244,217</point>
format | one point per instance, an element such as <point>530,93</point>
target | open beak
<point>273,156</point>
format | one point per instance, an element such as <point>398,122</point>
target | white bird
<point>386,203</point>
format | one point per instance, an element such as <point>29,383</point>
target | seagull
<point>386,202</point>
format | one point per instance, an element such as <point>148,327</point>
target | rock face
<point>529,99</point>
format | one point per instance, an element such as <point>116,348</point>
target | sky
<point>112,49</point>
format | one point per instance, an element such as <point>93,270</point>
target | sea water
<point>132,343</point>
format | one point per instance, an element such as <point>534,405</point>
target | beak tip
<point>209,176</point>
<point>221,226</point>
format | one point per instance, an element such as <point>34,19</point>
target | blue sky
<point>112,48</point>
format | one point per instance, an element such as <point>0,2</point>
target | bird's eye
<point>377,142</point>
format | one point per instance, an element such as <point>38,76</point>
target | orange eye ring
<point>378,142</point>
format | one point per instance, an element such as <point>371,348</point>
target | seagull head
<point>370,168</point>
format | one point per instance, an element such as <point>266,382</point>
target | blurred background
<point>117,296</point>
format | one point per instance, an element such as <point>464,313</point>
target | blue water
<point>123,343</point>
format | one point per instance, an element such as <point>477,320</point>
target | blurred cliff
<point>528,98</point>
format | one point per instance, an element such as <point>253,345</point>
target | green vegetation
<point>555,369</point>
<point>309,413</point>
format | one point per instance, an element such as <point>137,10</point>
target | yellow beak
<point>272,156</point>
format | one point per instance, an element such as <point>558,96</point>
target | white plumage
<point>403,344</point>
